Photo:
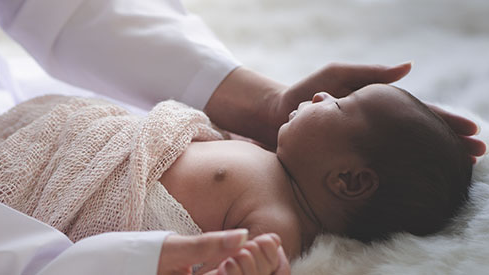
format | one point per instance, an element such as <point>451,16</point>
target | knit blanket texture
<point>86,166</point>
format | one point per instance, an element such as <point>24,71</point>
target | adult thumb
<point>182,251</point>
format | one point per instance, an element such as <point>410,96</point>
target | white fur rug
<point>463,248</point>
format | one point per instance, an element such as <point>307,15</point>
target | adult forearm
<point>245,103</point>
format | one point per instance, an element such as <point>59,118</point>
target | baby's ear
<point>355,184</point>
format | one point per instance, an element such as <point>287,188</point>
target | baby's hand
<point>261,256</point>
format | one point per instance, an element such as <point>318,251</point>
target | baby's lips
<point>292,114</point>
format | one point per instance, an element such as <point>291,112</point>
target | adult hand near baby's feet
<point>465,129</point>
<point>180,253</point>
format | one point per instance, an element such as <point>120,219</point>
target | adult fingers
<point>459,124</point>
<point>392,73</point>
<point>341,79</point>
<point>463,127</point>
<point>182,251</point>
<point>362,75</point>
<point>474,146</point>
<point>473,160</point>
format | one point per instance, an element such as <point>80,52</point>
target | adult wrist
<point>246,103</point>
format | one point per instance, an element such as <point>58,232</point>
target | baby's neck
<point>309,225</point>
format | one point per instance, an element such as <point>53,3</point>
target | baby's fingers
<point>258,256</point>
<point>246,262</point>
<point>229,267</point>
<point>262,263</point>
<point>269,244</point>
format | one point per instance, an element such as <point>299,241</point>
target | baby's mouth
<point>292,115</point>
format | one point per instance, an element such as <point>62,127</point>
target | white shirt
<point>140,52</point>
<point>28,246</point>
<point>153,48</point>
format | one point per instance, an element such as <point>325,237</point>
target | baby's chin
<point>280,134</point>
<point>281,159</point>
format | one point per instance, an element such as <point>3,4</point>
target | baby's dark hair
<point>424,174</point>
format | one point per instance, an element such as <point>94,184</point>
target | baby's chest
<point>208,181</point>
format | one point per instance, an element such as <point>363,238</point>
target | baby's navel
<point>220,174</point>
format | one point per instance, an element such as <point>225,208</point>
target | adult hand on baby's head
<point>465,129</point>
<point>255,106</point>
<point>339,80</point>
<point>180,253</point>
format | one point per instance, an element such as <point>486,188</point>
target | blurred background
<point>448,41</point>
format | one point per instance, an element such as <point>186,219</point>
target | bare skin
<point>254,106</point>
<point>259,194</point>
<point>235,184</point>
<point>251,257</point>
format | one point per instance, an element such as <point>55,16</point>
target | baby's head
<point>373,163</point>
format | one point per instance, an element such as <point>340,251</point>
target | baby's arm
<point>263,255</point>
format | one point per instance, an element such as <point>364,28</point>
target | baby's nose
<point>321,96</point>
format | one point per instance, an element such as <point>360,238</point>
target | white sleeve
<point>28,246</point>
<point>140,52</point>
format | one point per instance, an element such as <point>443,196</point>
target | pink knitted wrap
<point>86,166</point>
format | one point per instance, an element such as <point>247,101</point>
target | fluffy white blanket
<point>462,248</point>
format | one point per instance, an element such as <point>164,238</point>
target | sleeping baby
<point>364,166</point>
